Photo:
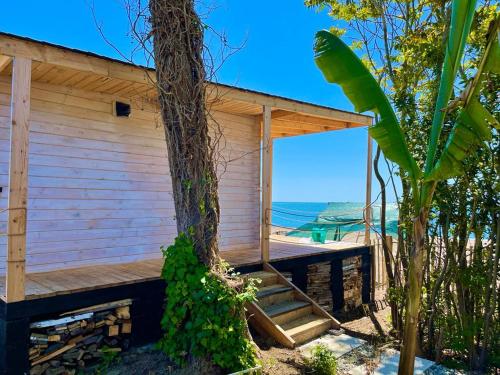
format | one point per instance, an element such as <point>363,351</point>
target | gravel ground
<point>275,359</point>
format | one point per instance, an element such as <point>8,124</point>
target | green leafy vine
<point>203,313</point>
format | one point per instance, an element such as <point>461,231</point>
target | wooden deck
<point>66,281</point>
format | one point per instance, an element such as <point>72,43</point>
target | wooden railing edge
<point>300,294</point>
<point>258,317</point>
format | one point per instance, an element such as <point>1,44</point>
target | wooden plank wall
<point>99,186</point>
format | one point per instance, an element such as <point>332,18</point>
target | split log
<point>53,354</point>
<point>123,312</point>
<point>126,327</point>
<point>113,330</point>
<point>71,344</point>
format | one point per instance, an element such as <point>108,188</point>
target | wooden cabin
<point>85,187</point>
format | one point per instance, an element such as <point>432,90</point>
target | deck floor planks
<point>57,282</point>
<point>66,281</point>
<point>34,287</point>
<point>241,256</point>
<point>154,265</point>
<point>145,272</point>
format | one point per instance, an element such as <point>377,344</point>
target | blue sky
<point>276,58</point>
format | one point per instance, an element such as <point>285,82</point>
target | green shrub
<point>203,315</point>
<point>322,361</point>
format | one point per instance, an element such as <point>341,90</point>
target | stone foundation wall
<point>318,284</point>
<point>353,281</point>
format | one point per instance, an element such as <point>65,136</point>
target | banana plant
<point>472,127</point>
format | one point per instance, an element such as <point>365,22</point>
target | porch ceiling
<point>56,65</point>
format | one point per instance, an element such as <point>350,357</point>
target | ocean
<point>335,219</point>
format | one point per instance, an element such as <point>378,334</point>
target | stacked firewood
<point>67,344</point>
<point>318,284</point>
<point>352,282</point>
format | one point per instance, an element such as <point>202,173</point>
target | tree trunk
<point>490,299</point>
<point>435,345</point>
<point>415,276</point>
<point>180,72</point>
<point>385,246</point>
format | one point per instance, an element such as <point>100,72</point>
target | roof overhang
<point>64,66</point>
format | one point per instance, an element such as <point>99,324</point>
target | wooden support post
<point>374,251</point>
<point>337,283</point>
<point>390,243</point>
<point>373,269</point>
<point>366,272</point>
<point>267,183</point>
<point>18,179</point>
<point>368,200</point>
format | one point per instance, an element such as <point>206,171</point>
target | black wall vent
<point>122,109</point>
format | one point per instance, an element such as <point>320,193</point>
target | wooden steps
<point>267,278</point>
<point>272,289</point>
<point>307,327</point>
<point>284,312</point>
<point>286,307</point>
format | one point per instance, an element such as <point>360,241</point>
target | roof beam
<point>311,120</point>
<point>279,113</point>
<point>72,59</point>
<point>286,135</point>
<point>227,92</point>
<point>308,126</point>
<point>4,62</point>
<point>279,127</point>
<point>87,62</point>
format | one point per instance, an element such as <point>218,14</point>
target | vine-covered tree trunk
<point>180,73</point>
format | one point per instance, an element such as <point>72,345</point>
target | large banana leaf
<point>462,13</point>
<point>473,123</point>
<point>471,128</point>
<point>341,66</point>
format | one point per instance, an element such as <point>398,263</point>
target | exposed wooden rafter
<point>282,128</point>
<point>4,62</point>
<point>279,113</point>
<point>325,123</point>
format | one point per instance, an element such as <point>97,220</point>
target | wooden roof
<point>60,65</point>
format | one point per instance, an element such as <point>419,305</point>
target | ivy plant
<point>201,315</point>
